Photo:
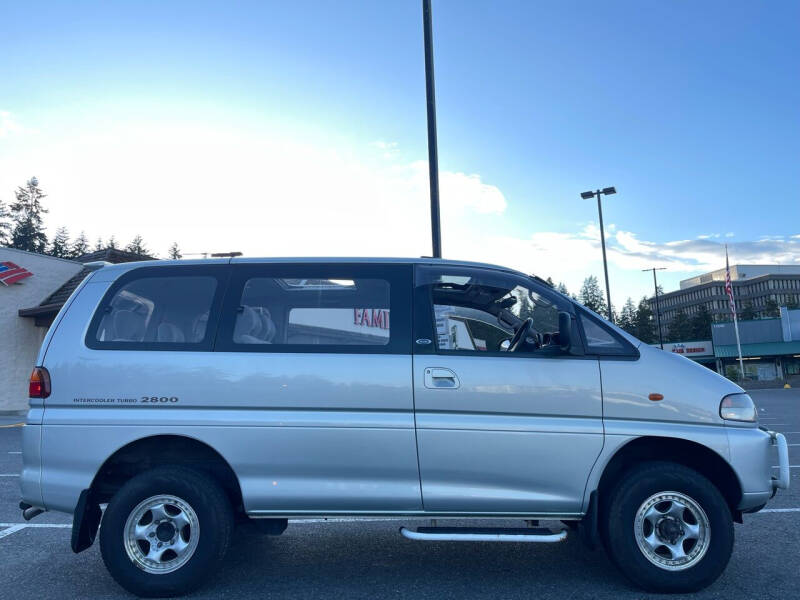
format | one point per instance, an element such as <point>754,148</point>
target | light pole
<point>433,153</point>
<point>658,309</point>
<point>586,195</point>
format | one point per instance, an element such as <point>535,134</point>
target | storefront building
<point>770,347</point>
<point>26,279</point>
<point>701,351</point>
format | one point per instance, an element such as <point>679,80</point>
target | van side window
<point>282,311</point>
<point>171,310</point>
<point>477,310</point>
<point>598,339</point>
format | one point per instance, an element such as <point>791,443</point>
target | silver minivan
<point>174,401</point>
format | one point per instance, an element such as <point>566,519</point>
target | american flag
<point>728,286</point>
<point>12,273</point>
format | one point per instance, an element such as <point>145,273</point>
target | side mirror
<point>565,330</point>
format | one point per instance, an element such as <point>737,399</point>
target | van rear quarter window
<point>158,308</point>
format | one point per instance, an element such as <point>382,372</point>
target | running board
<point>488,534</point>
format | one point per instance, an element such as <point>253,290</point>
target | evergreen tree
<point>112,243</point>
<point>174,252</point>
<point>701,324</point>
<point>562,289</point>
<point>748,312</point>
<point>680,328</point>
<point>60,245</point>
<point>98,245</point>
<point>771,308</point>
<point>643,324</point>
<point>137,246</point>
<point>26,214</point>
<point>549,281</point>
<point>5,225</point>
<point>80,246</point>
<point>592,297</point>
<point>627,317</point>
<point>524,307</point>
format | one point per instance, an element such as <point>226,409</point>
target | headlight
<point>738,407</point>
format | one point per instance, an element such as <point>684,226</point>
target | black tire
<point>214,514</point>
<point>617,522</point>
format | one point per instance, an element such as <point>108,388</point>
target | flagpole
<point>735,320</point>
<point>738,345</point>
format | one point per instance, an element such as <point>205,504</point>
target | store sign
<point>377,318</point>
<point>691,349</point>
<point>12,273</point>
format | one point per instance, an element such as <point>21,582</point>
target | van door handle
<point>437,377</point>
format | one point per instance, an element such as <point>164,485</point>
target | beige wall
<point>20,338</point>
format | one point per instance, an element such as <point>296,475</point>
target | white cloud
<point>219,190</point>
<point>215,190</point>
<point>388,149</point>
<point>8,124</point>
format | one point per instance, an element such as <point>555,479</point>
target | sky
<point>298,129</point>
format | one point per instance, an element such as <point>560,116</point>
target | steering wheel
<point>520,335</point>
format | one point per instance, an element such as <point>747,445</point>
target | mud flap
<point>588,531</point>
<point>85,522</point>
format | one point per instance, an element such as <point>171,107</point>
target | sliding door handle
<point>438,377</point>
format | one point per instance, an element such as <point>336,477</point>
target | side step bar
<point>490,534</point>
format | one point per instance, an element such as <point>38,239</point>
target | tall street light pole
<point>658,308</point>
<point>433,154</point>
<point>586,195</point>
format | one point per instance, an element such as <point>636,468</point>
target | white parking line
<point>9,474</point>
<point>778,510</point>
<point>10,530</point>
<point>790,466</point>
<point>39,525</point>
<point>15,452</point>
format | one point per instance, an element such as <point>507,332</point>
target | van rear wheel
<point>668,528</point>
<point>165,530</point>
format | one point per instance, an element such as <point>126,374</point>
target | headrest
<point>128,326</point>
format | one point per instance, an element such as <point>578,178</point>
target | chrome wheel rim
<point>161,534</point>
<point>672,531</point>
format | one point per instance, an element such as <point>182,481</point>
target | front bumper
<point>753,458</point>
<point>781,482</point>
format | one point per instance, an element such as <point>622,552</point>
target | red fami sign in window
<point>371,317</point>
<point>12,273</point>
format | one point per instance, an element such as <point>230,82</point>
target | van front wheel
<point>165,530</point>
<point>668,528</point>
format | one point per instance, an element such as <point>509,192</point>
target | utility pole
<point>658,309</point>
<point>433,153</point>
<point>586,195</point>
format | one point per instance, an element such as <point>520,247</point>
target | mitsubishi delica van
<point>175,401</point>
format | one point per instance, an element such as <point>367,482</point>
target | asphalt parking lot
<point>371,560</point>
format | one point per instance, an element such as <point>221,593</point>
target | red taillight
<point>39,385</point>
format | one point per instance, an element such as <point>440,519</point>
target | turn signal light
<point>39,385</point>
